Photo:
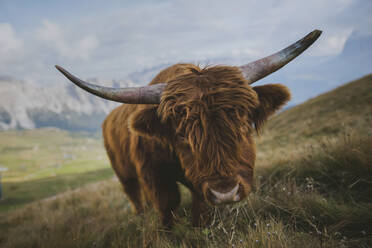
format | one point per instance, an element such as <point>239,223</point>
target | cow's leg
<point>162,191</point>
<point>132,189</point>
<point>127,175</point>
<point>201,213</point>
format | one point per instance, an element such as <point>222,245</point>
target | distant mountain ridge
<point>26,105</point>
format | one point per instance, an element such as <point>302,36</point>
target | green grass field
<point>313,188</point>
<point>44,162</point>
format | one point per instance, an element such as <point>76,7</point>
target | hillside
<point>348,106</point>
<point>313,183</point>
<point>344,111</point>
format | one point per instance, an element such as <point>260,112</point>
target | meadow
<point>313,187</point>
<point>44,162</point>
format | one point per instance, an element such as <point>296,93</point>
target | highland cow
<point>194,126</point>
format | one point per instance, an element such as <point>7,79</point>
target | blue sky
<point>111,39</point>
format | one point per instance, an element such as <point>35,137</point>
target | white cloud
<point>332,44</point>
<point>86,46</point>
<point>183,31</point>
<point>114,42</point>
<point>72,47</point>
<point>10,45</point>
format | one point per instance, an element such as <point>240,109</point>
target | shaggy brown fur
<point>199,135</point>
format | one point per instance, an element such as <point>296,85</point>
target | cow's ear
<point>146,122</point>
<point>271,98</point>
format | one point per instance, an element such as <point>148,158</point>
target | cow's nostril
<point>236,198</point>
<point>212,197</point>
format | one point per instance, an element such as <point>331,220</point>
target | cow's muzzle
<point>225,197</point>
<point>222,193</point>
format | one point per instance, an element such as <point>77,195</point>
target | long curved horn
<point>258,69</point>
<point>134,95</point>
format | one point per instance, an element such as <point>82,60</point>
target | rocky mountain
<point>26,105</point>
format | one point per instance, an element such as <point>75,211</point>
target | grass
<point>294,204</point>
<point>345,111</point>
<point>45,162</point>
<point>22,192</point>
<point>313,184</point>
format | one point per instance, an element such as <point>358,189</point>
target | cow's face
<point>208,117</point>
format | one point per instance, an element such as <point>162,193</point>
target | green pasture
<point>45,162</point>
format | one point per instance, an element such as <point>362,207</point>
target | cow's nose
<point>225,197</point>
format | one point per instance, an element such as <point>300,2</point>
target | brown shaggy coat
<point>199,135</point>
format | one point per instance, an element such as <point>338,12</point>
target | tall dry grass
<point>319,199</point>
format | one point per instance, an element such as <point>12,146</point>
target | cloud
<point>180,30</point>
<point>113,42</point>
<point>73,47</point>
<point>11,46</point>
<point>332,44</point>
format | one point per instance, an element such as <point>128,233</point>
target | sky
<point>112,39</point>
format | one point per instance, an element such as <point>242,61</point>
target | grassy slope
<point>45,162</point>
<point>313,187</point>
<point>345,111</point>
